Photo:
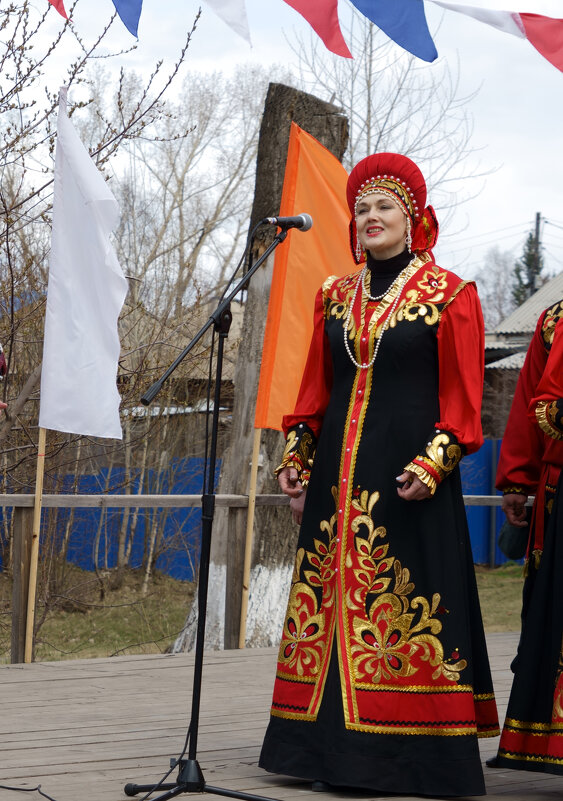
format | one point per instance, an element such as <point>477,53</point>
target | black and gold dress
<point>531,463</point>
<point>383,680</point>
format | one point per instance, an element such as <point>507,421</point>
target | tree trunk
<point>275,535</point>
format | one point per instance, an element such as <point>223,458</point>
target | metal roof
<point>513,362</point>
<point>525,317</point>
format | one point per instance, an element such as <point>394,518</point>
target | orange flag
<point>315,183</point>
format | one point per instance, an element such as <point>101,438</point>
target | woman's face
<point>381,226</point>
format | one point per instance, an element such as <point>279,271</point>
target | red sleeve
<point>316,384</point>
<point>550,385</point>
<point>461,348</point>
<point>520,459</point>
<point>546,408</point>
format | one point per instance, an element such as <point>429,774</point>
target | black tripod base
<point>190,780</point>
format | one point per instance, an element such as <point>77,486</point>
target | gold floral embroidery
<point>302,646</point>
<point>432,281</point>
<point>414,309</point>
<point>299,452</point>
<point>338,294</point>
<point>392,634</point>
<point>444,453</point>
<point>372,556</point>
<point>548,417</point>
<point>304,637</point>
<point>552,316</point>
<point>441,456</point>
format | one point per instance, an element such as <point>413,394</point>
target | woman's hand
<point>514,507</point>
<point>288,479</point>
<point>297,505</point>
<point>412,488</point>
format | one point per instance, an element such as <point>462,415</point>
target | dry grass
<point>500,593</point>
<point>94,620</point>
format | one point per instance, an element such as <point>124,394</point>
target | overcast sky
<point>517,113</point>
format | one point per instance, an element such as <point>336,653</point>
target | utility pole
<point>534,266</point>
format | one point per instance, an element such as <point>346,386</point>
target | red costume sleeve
<point>550,385</point>
<point>461,337</point>
<point>316,384</point>
<point>520,459</point>
<point>546,408</point>
<point>461,359</point>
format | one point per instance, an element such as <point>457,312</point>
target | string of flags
<point>403,21</point>
<point>129,12</point>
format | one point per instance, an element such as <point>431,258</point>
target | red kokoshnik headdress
<point>398,177</point>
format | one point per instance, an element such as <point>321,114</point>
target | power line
<point>555,225</point>
<point>529,223</point>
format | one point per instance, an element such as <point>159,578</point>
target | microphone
<point>302,221</point>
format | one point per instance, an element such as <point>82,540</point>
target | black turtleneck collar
<point>382,272</point>
<point>389,267</point>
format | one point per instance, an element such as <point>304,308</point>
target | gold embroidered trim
<point>527,758</point>
<point>276,713</point>
<point>442,455</point>
<point>296,679</point>
<point>456,292</point>
<point>437,731</point>
<point>516,490</point>
<point>546,415</point>
<point>328,283</point>
<point>422,689</point>
<point>299,453</point>
<point>433,730</point>
<point>482,735</point>
<point>552,727</point>
<point>423,475</point>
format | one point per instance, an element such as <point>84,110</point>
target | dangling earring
<point>408,238</point>
<point>359,250</point>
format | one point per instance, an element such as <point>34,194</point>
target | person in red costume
<point>383,680</point>
<point>530,463</point>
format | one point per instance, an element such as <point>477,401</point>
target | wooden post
<point>23,527</point>
<point>275,535</point>
<point>249,537</point>
<point>34,556</point>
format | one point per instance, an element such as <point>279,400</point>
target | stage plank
<point>85,728</point>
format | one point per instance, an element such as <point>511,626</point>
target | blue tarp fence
<point>478,472</point>
<point>93,539</point>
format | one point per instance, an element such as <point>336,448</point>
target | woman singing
<point>383,681</point>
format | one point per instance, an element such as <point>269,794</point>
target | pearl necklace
<point>376,297</point>
<point>403,276</point>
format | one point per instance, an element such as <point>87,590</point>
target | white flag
<point>506,21</point>
<point>85,295</point>
<point>233,12</point>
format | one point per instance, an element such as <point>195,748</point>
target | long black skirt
<point>532,736</point>
<point>325,750</point>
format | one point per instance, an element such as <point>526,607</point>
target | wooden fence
<point>23,534</point>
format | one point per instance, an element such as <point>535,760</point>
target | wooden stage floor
<point>83,729</point>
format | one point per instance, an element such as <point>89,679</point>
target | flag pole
<point>34,557</point>
<point>249,537</point>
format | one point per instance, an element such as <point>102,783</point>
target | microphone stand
<point>190,777</point>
